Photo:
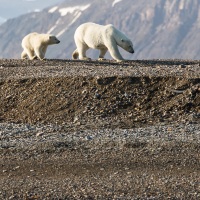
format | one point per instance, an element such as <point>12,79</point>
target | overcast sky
<point>14,8</point>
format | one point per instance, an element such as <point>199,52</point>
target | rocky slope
<point>134,93</point>
<point>158,29</point>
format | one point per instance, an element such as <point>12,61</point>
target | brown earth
<point>101,95</point>
<point>94,101</point>
<point>131,101</point>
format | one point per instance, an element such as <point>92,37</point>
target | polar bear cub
<point>105,38</point>
<point>35,45</point>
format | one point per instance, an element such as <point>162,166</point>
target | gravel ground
<point>49,162</point>
<point>99,130</point>
<point>16,69</point>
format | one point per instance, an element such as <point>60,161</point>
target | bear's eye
<point>122,40</point>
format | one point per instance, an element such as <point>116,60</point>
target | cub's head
<point>53,39</point>
<point>127,45</point>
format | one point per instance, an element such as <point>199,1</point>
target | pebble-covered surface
<point>148,147</point>
<point>45,162</point>
<point>19,135</point>
<point>16,69</point>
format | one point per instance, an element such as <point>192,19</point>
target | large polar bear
<point>95,36</point>
<point>35,45</point>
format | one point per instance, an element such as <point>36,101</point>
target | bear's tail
<point>75,54</point>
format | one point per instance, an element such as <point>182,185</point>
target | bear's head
<point>126,44</point>
<point>53,40</point>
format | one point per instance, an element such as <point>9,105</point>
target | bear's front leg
<point>102,54</point>
<point>114,52</point>
<point>113,49</point>
<point>84,58</point>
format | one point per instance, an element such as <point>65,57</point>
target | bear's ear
<point>122,40</point>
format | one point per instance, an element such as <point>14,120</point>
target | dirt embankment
<point>123,102</point>
<point>96,99</point>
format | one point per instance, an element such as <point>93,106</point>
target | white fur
<point>95,36</point>
<point>35,45</point>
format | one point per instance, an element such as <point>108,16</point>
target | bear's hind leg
<point>82,52</point>
<point>75,54</point>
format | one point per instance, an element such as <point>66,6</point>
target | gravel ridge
<point>16,69</point>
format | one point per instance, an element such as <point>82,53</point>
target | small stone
<point>97,96</point>
<point>89,137</point>
<point>75,119</point>
<point>39,134</point>
<point>84,91</point>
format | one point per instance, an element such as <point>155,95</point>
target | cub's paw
<point>34,58</point>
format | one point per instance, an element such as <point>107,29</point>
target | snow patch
<point>147,15</point>
<point>54,27</point>
<point>36,10</point>
<point>76,11</point>
<point>181,5</point>
<point>2,20</point>
<point>65,11</point>
<point>115,2</point>
<point>52,10</point>
<point>78,14</point>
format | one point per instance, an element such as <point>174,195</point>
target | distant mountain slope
<point>2,20</point>
<point>158,28</point>
<point>13,8</point>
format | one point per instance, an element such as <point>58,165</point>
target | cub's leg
<point>24,55</point>
<point>30,54</point>
<point>44,50</point>
<point>39,53</point>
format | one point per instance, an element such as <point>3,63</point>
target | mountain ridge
<point>158,29</point>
